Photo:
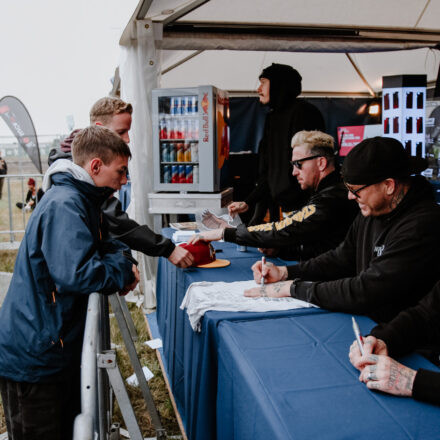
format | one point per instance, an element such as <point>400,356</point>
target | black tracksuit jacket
<point>385,264</point>
<point>321,224</point>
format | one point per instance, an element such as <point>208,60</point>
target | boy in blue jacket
<point>64,256</point>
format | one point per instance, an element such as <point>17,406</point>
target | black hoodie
<point>385,264</point>
<point>288,115</point>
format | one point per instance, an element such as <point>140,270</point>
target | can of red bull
<point>172,153</point>
<point>182,174</point>
<point>165,156</point>
<point>174,105</point>
<point>166,174</point>
<point>174,174</point>
<point>189,173</point>
<point>194,105</point>
<point>184,105</point>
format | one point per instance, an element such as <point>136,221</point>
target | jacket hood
<point>285,84</point>
<point>66,166</point>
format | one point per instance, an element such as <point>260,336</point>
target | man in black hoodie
<point>387,261</point>
<point>279,88</point>
<point>115,114</point>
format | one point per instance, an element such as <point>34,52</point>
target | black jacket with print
<point>321,224</point>
<point>386,264</point>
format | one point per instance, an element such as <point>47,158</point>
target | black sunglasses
<point>355,192</point>
<point>298,163</point>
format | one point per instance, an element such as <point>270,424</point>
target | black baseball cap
<point>379,158</point>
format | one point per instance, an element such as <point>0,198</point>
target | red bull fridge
<point>190,138</point>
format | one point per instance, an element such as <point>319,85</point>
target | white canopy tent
<point>340,47</point>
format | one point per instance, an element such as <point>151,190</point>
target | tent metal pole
<point>182,61</point>
<point>361,76</point>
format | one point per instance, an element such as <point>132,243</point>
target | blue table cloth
<point>191,358</point>
<point>290,378</point>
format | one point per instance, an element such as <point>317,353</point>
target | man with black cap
<point>387,261</point>
<point>279,88</point>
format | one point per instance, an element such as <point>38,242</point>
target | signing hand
<point>271,273</point>
<point>387,375</point>
<point>371,346</point>
<point>237,208</point>
<point>214,235</point>
<point>275,290</point>
<point>180,257</point>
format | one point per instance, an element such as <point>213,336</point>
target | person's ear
<point>390,186</point>
<point>322,163</point>
<point>95,166</point>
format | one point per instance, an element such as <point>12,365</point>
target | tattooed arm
<point>379,371</point>
<point>273,290</point>
<point>385,374</point>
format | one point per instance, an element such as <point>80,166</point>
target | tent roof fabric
<point>227,42</point>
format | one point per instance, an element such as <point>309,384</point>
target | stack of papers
<point>182,236</point>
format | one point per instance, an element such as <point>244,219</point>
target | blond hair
<point>97,141</point>
<point>105,108</point>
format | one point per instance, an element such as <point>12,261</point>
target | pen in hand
<point>263,262</point>
<point>358,335</point>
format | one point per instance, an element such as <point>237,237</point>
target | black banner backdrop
<point>17,118</point>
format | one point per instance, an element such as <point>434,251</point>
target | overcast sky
<point>58,56</point>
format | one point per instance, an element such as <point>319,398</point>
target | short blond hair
<point>97,141</point>
<point>317,142</point>
<point>105,108</point>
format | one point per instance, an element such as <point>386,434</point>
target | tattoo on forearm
<point>278,286</point>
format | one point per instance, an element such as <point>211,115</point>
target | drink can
<point>178,105</point>
<point>166,174</point>
<point>167,128</point>
<point>184,105</point>
<point>174,174</point>
<point>194,105</point>
<point>189,108</point>
<point>165,156</point>
<point>189,173</point>
<point>194,152</point>
<point>172,153</point>
<point>180,129</point>
<point>180,156</point>
<point>187,154</point>
<point>182,174</point>
<point>163,134</point>
<point>174,105</point>
<point>195,174</point>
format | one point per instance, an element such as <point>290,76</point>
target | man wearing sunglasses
<point>320,224</point>
<point>388,260</point>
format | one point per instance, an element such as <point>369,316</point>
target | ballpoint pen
<point>358,335</point>
<point>263,262</point>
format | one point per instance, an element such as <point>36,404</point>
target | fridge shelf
<point>179,163</point>
<point>179,140</point>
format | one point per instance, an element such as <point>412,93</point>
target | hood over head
<point>285,84</point>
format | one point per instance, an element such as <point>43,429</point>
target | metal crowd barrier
<point>99,369</point>
<point>11,203</point>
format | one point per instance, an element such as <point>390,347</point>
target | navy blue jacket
<point>61,260</point>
